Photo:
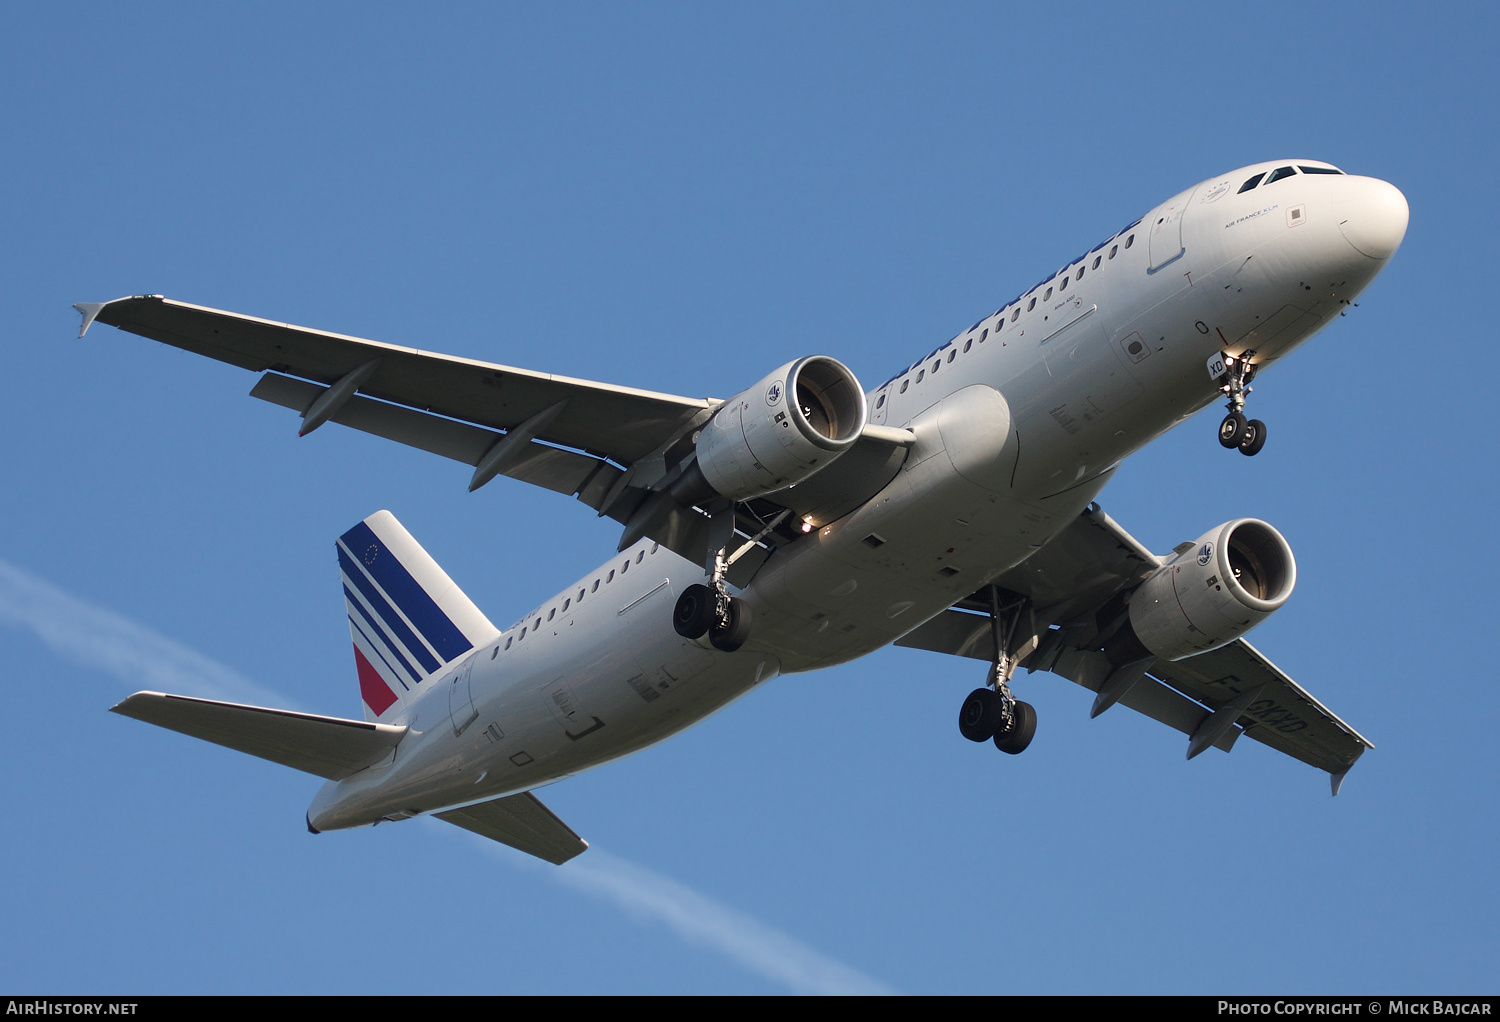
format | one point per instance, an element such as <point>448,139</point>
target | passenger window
<point>509,641</point>
<point>580,596</point>
<point>1047,295</point>
<point>1015,314</point>
<point>551,613</point>
<point>881,402</point>
<point>640,556</point>
<point>1251,183</point>
<point>625,567</point>
<point>1130,241</point>
<point>1064,285</point>
<point>920,375</point>
<point>952,353</point>
<point>1097,261</point>
<point>537,625</point>
<point>596,586</point>
<point>1279,173</point>
<point>655,547</point>
<point>936,364</point>
<point>985,333</point>
<point>969,344</point>
<point>523,631</point>
<point>903,385</point>
<point>567,603</point>
<point>1113,250</point>
<point>611,577</point>
<point>1031,305</point>
<point>1080,273</point>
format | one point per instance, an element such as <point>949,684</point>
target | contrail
<point>100,638</point>
<point>647,896</point>
<point>698,919</point>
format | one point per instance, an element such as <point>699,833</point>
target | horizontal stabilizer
<point>330,747</point>
<point>523,823</point>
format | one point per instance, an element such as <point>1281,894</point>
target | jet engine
<point>1229,582</point>
<point>779,432</point>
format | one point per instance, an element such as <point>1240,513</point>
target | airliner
<point>807,520</point>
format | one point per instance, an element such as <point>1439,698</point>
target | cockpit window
<point>1251,183</point>
<point>1279,173</point>
<point>1319,170</point>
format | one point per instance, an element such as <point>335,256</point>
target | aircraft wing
<point>614,448</point>
<point>1214,697</point>
<point>617,423</point>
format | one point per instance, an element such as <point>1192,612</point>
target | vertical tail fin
<point>407,618</point>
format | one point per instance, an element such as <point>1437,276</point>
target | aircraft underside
<point>806,521</point>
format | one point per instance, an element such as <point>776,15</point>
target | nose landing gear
<point>992,713</point>
<point>1249,435</point>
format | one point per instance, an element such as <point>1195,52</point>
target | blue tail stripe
<point>393,622</point>
<point>384,640</point>
<point>420,609</point>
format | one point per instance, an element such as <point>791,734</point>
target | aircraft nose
<point>1372,214</point>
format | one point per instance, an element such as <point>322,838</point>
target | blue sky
<point>681,197</point>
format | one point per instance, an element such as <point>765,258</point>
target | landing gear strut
<point>992,712</point>
<point>1249,435</point>
<point>709,609</point>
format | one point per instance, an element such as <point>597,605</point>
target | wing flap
<point>1090,669</point>
<point>554,469</point>
<point>523,823</point>
<point>330,747</point>
<point>955,632</point>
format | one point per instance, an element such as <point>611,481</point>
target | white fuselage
<point>1019,420</point>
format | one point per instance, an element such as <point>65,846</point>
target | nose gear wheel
<point>1236,431</point>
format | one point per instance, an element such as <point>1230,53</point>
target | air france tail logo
<point>1205,553</point>
<point>773,393</point>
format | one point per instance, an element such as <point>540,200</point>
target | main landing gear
<point>710,610</point>
<point>992,713</point>
<point>1249,435</point>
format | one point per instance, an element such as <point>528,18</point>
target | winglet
<point>1336,781</point>
<point>88,310</point>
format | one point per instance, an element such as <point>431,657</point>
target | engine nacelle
<point>1233,579</point>
<point>782,430</point>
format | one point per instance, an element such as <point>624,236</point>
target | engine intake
<point>792,423</point>
<point>1234,578</point>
